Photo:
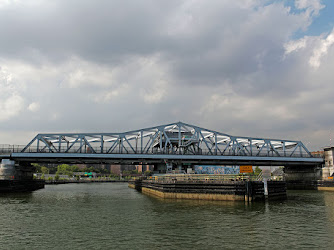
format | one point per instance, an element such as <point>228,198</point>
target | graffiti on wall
<point>203,169</point>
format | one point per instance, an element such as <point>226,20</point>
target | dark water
<point>113,216</point>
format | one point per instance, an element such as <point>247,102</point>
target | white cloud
<point>321,50</point>
<point>34,107</point>
<point>311,9</point>
<point>11,107</point>
<point>80,73</point>
<point>313,6</point>
<point>6,3</point>
<point>155,93</point>
<point>313,48</point>
<point>293,46</point>
<point>11,102</point>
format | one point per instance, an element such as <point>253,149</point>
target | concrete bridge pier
<point>180,167</point>
<point>163,168</point>
<point>168,167</point>
<point>11,170</point>
<point>328,170</point>
<point>159,168</point>
<point>302,177</point>
<point>18,177</point>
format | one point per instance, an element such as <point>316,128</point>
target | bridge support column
<point>180,167</point>
<point>18,177</point>
<point>169,167</point>
<point>7,169</point>
<point>190,169</point>
<point>163,168</point>
<point>17,171</point>
<point>302,177</point>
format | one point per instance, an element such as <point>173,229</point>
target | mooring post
<point>265,186</point>
<point>266,173</point>
<point>248,191</point>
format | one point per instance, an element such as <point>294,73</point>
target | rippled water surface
<point>113,216</point>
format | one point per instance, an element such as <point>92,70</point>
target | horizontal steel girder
<point>149,158</point>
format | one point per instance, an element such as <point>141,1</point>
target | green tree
<point>257,170</point>
<point>37,167</point>
<point>74,168</point>
<point>65,169</point>
<point>126,172</point>
<point>62,169</point>
<point>52,169</point>
<point>57,177</point>
<point>44,170</point>
<point>148,173</point>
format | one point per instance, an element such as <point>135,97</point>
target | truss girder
<point>174,138</point>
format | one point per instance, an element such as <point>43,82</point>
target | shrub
<point>148,173</point>
<point>57,177</point>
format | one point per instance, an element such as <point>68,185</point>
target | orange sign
<point>246,169</point>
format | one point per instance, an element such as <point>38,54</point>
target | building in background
<point>143,168</point>
<point>320,153</point>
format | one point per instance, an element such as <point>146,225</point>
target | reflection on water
<point>329,202</point>
<point>112,216</point>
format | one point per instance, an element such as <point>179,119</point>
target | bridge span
<point>176,143</point>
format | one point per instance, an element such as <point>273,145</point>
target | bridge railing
<point>8,149</point>
<point>172,178</point>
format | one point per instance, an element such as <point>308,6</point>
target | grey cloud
<point>95,30</point>
<point>217,65</point>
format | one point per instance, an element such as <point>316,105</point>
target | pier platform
<point>205,187</point>
<point>8,186</point>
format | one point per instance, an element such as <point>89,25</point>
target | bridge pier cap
<point>175,141</point>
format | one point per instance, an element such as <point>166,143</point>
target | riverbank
<point>56,182</point>
<point>325,185</point>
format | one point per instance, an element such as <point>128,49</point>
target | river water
<point>113,216</point>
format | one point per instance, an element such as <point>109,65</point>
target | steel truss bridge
<point>174,143</point>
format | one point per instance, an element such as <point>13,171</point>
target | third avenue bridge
<point>176,143</point>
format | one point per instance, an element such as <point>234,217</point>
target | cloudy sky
<point>249,67</point>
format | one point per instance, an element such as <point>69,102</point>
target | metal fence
<point>172,178</point>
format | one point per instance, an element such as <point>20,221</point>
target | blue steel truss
<point>175,138</point>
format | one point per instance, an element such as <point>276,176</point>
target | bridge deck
<point>157,158</point>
